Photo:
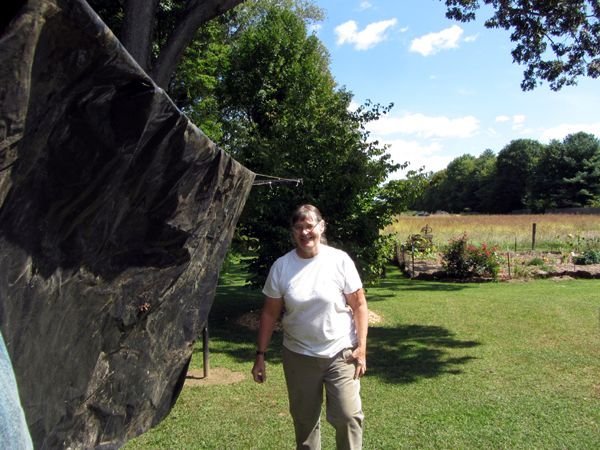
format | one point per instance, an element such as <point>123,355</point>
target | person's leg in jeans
<point>344,408</point>
<point>14,433</point>
<point>304,379</point>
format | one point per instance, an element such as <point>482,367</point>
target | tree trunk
<point>138,26</point>
<point>197,13</point>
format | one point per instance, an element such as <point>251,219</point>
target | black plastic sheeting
<point>115,216</point>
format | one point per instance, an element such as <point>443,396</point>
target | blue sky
<point>454,86</point>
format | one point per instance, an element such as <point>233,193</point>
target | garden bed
<point>514,266</point>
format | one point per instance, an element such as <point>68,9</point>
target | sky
<point>454,86</point>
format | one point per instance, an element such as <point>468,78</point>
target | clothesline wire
<point>270,180</point>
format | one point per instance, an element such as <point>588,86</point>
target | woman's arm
<point>269,316</point>
<point>358,302</point>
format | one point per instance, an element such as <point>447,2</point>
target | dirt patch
<point>374,318</point>
<point>251,320</point>
<point>217,375</point>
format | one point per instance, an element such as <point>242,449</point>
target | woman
<point>325,333</point>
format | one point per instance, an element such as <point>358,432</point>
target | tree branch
<point>197,13</point>
<point>136,33</point>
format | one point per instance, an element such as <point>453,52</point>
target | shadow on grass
<point>227,335</point>
<point>407,353</point>
<point>402,354</point>
<point>415,286</point>
<point>396,282</point>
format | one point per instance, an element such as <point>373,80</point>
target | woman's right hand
<point>259,372</point>
<point>271,312</point>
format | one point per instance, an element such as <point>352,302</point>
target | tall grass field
<point>553,232</point>
<point>450,366</point>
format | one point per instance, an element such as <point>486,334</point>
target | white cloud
<point>425,126</point>
<point>561,131</point>
<point>418,154</point>
<point>353,106</point>
<point>372,34</point>
<point>421,139</point>
<point>517,121</point>
<point>432,43</point>
<point>365,5</point>
<point>471,38</point>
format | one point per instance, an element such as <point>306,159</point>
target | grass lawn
<point>451,366</point>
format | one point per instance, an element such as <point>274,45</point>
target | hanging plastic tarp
<point>115,216</point>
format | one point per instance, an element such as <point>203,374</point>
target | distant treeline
<point>525,175</point>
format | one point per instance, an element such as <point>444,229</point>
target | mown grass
<point>554,232</point>
<point>451,366</point>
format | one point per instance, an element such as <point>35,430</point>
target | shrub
<point>420,246</point>
<point>588,257</point>
<point>462,260</point>
<point>537,261</point>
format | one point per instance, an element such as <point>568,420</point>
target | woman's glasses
<point>301,229</point>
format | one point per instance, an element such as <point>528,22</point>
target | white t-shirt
<point>316,321</point>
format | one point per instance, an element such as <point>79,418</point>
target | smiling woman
<point>325,320</point>
<point>308,228</point>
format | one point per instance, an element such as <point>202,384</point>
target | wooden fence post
<point>205,350</point>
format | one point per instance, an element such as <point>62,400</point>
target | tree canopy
<point>515,167</point>
<point>557,40</point>
<point>525,175</point>
<point>254,80</point>
<point>157,32</point>
<point>285,117</point>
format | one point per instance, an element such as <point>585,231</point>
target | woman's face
<point>307,235</point>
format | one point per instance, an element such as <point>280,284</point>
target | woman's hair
<point>304,211</point>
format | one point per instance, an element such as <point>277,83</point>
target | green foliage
<point>588,257</point>
<point>578,241</point>
<point>567,174</point>
<point>462,260</point>
<point>402,195</point>
<point>528,268</point>
<point>525,174</point>
<point>286,118</point>
<point>420,245</point>
<point>537,261</point>
<point>194,85</point>
<point>558,41</point>
<point>515,166</point>
<point>465,185</point>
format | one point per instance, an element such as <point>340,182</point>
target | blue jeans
<point>14,433</point>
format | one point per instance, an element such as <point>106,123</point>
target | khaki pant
<point>305,377</point>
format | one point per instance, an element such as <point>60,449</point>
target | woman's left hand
<point>360,362</point>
